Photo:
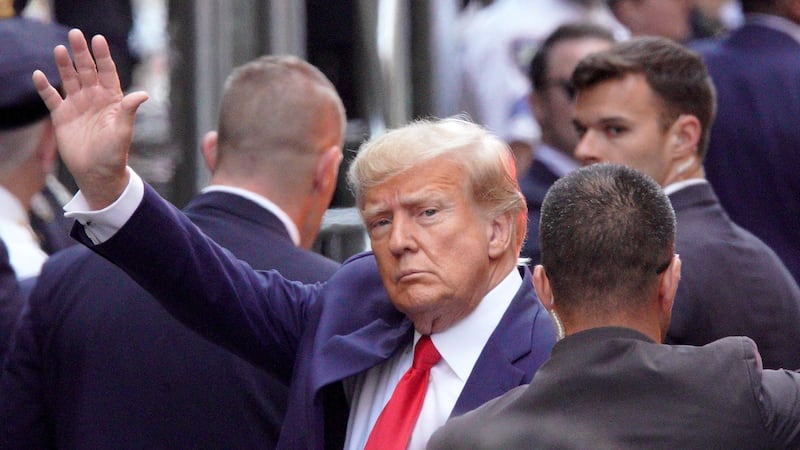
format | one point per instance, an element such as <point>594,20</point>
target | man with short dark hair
<point>648,103</point>
<point>609,273</point>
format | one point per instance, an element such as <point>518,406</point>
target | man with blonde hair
<point>446,221</point>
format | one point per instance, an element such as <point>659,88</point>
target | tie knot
<point>425,354</point>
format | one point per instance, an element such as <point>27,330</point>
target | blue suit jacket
<point>319,334</point>
<point>10,300</point>
<point>98,363</point>
<point>732,284</point>
<point>753,160</point>
<point>534,186</point>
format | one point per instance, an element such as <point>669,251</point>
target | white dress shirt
<point>460,347</point>
<point>24,253</point>
<point>558,163</point>
<point>675,187</point>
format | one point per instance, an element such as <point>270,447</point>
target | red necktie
<point>396,422</point>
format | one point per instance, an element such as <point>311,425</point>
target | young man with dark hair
<point>648,103</point>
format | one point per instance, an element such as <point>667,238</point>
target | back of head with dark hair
<point>607,232</point>
<point>677,76</point>
<point>538,69</point>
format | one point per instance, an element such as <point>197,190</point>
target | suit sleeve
<point>777,393</point>
<point>780,400</point>
<point>257,315</point>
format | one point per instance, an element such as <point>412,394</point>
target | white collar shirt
<point>675,187</point>
<point>263,202</point>
<point>460,347</point>
<point>24,253</point>
<point>559,163</point>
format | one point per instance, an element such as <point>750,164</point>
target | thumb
<point>132,101</point>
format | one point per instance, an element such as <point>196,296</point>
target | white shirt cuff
<point>102,224</point>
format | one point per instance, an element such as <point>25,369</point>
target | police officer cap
<point>25,45</point>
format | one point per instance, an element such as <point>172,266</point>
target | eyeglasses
<point>564,84</point>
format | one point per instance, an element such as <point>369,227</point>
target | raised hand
<point>94,121</point>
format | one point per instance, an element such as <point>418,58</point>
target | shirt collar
<point>556,161</point>
<point>12,208</point>
<point>776,23</point>
<point>262,201</point>
<point>462,344</point>
<point>675,187</point>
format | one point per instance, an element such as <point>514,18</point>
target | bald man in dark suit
<point>99,364</point>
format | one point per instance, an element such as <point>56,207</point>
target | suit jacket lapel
<point>496,371</point>
<point>343,356</point>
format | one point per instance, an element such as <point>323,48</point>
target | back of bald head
<point>277,114</point>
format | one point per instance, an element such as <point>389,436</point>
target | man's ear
<point>500,236</point>
<point>542,286</point>
<point>668,285</point>
<point>209,149</point>
<point>685,136</point>
<point>327,170</point>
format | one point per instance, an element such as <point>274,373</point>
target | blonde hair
<point>489,163</point>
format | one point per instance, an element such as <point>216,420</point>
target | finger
<point>84,63</point>
<point>132,101</point>
<point>69,78</point>
<point>106,69</point>
<point>49,94</point>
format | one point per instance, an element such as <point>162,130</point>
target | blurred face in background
<point>667,18</point>
<point>553,106</point>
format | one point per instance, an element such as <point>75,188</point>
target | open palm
<point>94,121</point>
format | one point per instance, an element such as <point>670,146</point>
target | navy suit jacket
<point>10,300</point>
<point>753,160</point>
<point>732,284</point>
<point>534,186</point>
<point>98,363</point>
<point>318,334</point>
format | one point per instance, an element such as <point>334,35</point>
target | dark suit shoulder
<point>257,236</point>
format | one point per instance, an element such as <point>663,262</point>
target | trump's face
<point>431,242</point>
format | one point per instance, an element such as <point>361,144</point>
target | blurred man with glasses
<point>551,101</point>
